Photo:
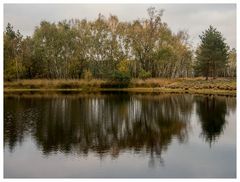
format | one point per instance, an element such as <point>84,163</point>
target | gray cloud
<point>194,18</point>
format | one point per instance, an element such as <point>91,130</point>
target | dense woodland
<point>107,48</point>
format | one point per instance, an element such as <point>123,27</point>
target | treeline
<point>105,48</point>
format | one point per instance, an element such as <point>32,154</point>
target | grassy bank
<point>199,85</point>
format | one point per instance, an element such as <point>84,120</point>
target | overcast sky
<point>193,18</point>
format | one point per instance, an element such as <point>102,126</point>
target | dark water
<point>119,135</point>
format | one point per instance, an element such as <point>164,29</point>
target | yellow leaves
<point>123,66</point>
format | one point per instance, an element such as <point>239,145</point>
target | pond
<point>119,134</point>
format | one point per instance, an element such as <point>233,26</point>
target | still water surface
<point>119,135</point>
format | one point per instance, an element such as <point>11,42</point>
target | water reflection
<point>212,112</point>
<point>109,123</point>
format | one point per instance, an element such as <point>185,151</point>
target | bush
<point>144,74</point>
<point>13,70</point>
<point>121,76</point>
<point>87,74</point>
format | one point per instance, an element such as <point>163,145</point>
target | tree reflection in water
<point>108,123</point>
<point>212,112</point>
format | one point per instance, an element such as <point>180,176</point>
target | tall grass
<point>179,83</point>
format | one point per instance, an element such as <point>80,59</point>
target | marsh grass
<point>196,85</point>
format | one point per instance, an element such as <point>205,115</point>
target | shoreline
<point>220,86</point>
<point>131,90</point>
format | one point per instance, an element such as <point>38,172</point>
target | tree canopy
<point>107,48</point>
<point>212,54</point>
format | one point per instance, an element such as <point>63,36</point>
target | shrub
<point>121,76</point>
<point>87,74</point>
<point>144,74</point>
<point>13,69</point>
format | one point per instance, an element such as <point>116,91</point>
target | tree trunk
<point>214,71</point>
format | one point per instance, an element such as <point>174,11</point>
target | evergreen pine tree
<point>212,54</point>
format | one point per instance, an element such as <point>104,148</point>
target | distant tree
<point>231,65</point>
<point>13,54</point>
<point>27,56</point>
<point>212,54</point>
